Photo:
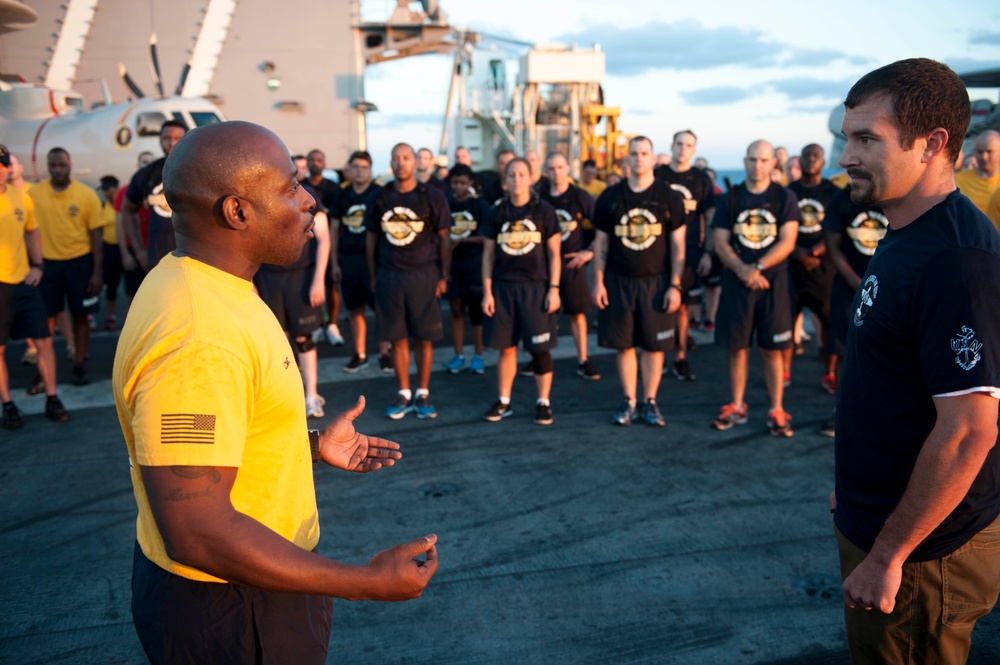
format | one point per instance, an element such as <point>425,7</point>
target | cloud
<point>804,87</point>
<point>985,38</point>
<point>806,109</point>
<point>688,45</point>
<point>720,94</point>
<point>795,89</point>
<point>967,65</point>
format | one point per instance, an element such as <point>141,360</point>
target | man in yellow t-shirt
<point>111,265</point>
<point>69,215</point>
<point>213,414</point>
<point>980,182</point>
<point>22,312</point>
<point>588,179</point>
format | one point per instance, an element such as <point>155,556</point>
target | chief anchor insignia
<point>966,348</point>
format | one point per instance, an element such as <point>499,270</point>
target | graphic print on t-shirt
<point>401,226</point>
<point>518,238</point>
<point>638,229</point>
<point>756,228</point>
<point>813,214</point>
<point>567,223</point>
<point>463,224</point>
<point>966,348</point>
<point>690,205</point>
<point>354,218</point>
<point>869,291</point>
<point>866,229</point>
<point>158,201</point>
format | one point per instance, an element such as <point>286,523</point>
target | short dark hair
<point>925,94</point>
<point>109,181</point>
<point>57,150</point>
<point>588,163</point>
<point>460,170</point>
<point>360,154</point>
<point>516,160</point>
<point>296,158</point>
<point>686,131</point>
<point>640,137</point>
<point>179,124</point>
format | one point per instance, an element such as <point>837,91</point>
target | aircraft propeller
<point>129,83</point>
<point>154,64</point>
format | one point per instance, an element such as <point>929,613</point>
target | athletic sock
<point>504,400</point>
<point>543,402</point>
<point>407,395</point>
<point>423,392</point>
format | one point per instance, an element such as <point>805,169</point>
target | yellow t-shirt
<point>17,217</point>
<point>993,209</point>
<point>595,188</point>
<point>204,376</point>
<point>979,190</point>
<point>108,232</point>
<point>66,219</point>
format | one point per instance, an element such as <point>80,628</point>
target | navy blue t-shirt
<point>329,193</point>
<point>925,322</point>
<point>699,196</point>
<point>572,207</point>
<point>755,220</point>
<point>466,218</point>
<point>814,205</point>
<point>408,226</point>
<point>350,211</point>
<point>860,228</point>
<point>639,225</point>
<point>145,190</point>
<point>521,234</point>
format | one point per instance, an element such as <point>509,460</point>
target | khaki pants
<point>937,605</point>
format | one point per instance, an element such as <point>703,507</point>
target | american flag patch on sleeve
<point>187,428</point>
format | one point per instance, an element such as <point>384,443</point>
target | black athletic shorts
<point>743,312</point>
<point>355,282</point>
<point>286,293</point>
<point>466,281</point>
<point>66,281</point>
<point>634,317</point>
<point>841,312</point>
<point>183,621</point>
<point>691,286</point>
<point>113,272</point>
<point>22,313</point>
<point>574,291</point>
<point>520,316</point>
<point>406,304</point>
<point>714,276</point>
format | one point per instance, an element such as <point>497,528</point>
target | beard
<point>862,189</point>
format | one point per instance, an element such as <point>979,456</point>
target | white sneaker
<point>30,357</point>
<point>333,335</point>
<point>314,407</point>
<point>317,335</point>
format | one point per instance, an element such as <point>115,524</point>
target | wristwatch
<point>314,444</point>
<point>759,266</point>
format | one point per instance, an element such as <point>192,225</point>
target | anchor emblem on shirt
<point>967,348</point>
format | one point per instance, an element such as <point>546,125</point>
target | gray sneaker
<point>625,414</point>
<point>651,414</point>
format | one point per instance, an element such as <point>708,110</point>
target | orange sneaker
<point>731,414</point>
<point>780,423</point>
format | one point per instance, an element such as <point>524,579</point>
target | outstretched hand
<point>341,446</point>
<point>400,573</point>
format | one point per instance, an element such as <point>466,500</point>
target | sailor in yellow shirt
<point>980,182</point>
<point>111,262</point>
<point>69,215</point>
<point>588,179</point>
<point>213,414</point>
<point>993,209</point>
<point>22,312</point>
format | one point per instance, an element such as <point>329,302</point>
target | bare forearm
<point>555,260</point>
<point>444,249</point>
<point>33,241</point>
<point>600,253</point>
<point>677,248</point>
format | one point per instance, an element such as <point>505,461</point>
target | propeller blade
<point>184,76</point>
<point>154,64</point>
<point>129,83</point>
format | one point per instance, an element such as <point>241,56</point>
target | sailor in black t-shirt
<point>699,206</point>
<point>638,262</point>
<point>521,272</point>
<point>329,195</point>
<point>426,171</point>
<point>492,180</point>
<point>465,291</point>
<point>407,227</point>
<point>851,234</point>
<point>754,229</point>
<point>145,190</point>
<point>917,462</point>
<point>349,264</point>
<point>809,265</point>
<point>573,206</point>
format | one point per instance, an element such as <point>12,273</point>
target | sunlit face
<point>16,168</point>
<point>460,185</point>
<point>759,162</point>
<point>641,158</point>
<point>301,168</point>
<point>462,156</point>
<point>59,168</point>
<point>316,162</point>
<point>404,163</point>
<point>284,208</point>
<point>881,170</point>
<point>4,174</point>
<point>425,161</point>
<point>502,160</point>
<point>557,170</point>
<point>682,149</point>
<point>361,172</point>
<point>518,180</point>
<point>811,160</point>
<point>169,138</point>
<point>987,151</point>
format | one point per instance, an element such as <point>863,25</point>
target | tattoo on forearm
<point>177,494</point>
<point>190,472</point>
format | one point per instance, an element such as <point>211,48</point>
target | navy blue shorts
<point>286,293</point>
<point>66,282</point>
<point>634,317</point>
<point>574,291</point>
<point>183,621</point>
<point>355,282</point>
<point>520,316</point>
<point>743,312</point>
<point>406,304</point>
<point>22,313</point>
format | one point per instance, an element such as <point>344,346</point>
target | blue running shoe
<point>456,365</point>
<point>476,365</point>
<point>424,407</point>
<point>399,408</point>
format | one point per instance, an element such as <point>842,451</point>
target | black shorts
<point>841,312</point>
<point>355,282</point>
<point>466,281</point>
<point>22,313</point>
<point>742,312</point>
<point>520,316</point>
<point>574,291</point>
<point>183,621</point>
<point>286,293</point>
<point>406,304</point>
<point>113,272</point>
<point>634,317</point>
<point>691,286</point>
<point>66,281</point>
<point>714,276</point>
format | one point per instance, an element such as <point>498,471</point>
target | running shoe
<point>424,408</point>
<point>708,326</point>
<point>30,356</point>
<point>730,415</point>
<point>317,335</point>
<point>70,352</point>
<point>780,423</point>
<point>498,412</point>
<point>79,376</point>
<point>456,365</point>
<point>314,407</point>
<point>400,407</point>
<point>356,364</point>
<point>587,371</point>
<point>12,417</point>
<point>788,379</point>
<point>55,411</point>
<point>37,386</point>
<point>829,427</point>
<point>543,414</point>
<point>829,383</point>
<point>476,365</point>
<point>333,335</point>
<point>625,414</point>
<point>385,365</point>
<point>651,414</point>
<point>682,370</point>
<point>527,369</point>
